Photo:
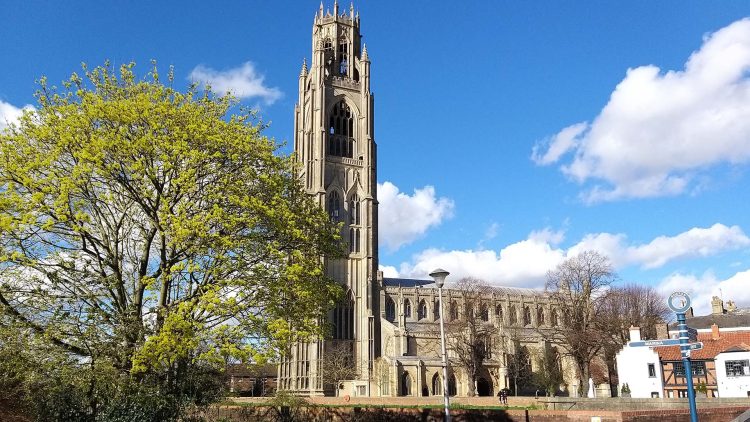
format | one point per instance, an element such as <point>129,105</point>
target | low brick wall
<point>572,403</point>
<point>365,414</point>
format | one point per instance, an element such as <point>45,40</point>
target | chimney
<point>635,333</point>
<point>714,332</point>
<point>689,312</point>
<point>662,331</point>
<point>731,307</point>
<point>717,306</point>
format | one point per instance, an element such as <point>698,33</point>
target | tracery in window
<point>354,217</point>
<point>407,308</point>
<point>341,131</point>
<point>353,240</point>
<point>499,313</point>
<point>390,309</point>
<point>422,310</point>
<point>343,318</point>
<point>334,205</point>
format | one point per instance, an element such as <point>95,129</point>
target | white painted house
<point>640,368</point>
<point>733,371</point>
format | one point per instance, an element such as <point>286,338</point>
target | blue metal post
<point>685,351</point>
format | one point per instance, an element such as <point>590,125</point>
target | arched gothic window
<point>452,385</point>
<point>353,240</point>
<point>436,311</point>
<point>407,308</point>
<point>437,385</point>
<point>343,56</point>
<point>555,318</point>
<point>406,384</point>
<point>334,205</point>
<point>341,131</point>
<point>526,315</point>
<point>390,309</point>
<point>484,313</point>
<point>343,318</point>
<point>422,310</point>
<point>540,316</point>
<point>454,311</point>
<point>513,315</point>
<point>354,217</point>
<point>499,313</point>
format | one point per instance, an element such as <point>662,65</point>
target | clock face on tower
<point>679,302</point>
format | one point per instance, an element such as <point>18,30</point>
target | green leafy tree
<point>150,231</point>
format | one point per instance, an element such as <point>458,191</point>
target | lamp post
<point>439,276</point>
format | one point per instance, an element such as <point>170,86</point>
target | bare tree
<point>470,335</point>
<point>337,365</point>
<point>549,374</point>
<point>517,359</point>
<point>578,287</point>
<point>626,306</point>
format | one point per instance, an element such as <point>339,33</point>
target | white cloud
<point>243,82</point>
<point>702,288</point>
<point>525,263</point>
<point>404,218</point>
<point>663,130</point>
<point>10,114</point>
<point>696,242</point>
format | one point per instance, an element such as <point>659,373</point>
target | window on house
<point>737,368</point>
<point>651,370</point>
<point>698,368</point>
<point>654,395</point>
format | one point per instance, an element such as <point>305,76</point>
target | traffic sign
<point>679,302</point>
<point>696,346</point>
<point>655,343</point>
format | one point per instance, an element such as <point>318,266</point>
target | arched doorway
<point>406,384</point>
<point>484,387</point>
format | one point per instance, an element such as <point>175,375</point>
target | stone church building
<point>388,325</point>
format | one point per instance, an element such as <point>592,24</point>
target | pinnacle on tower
<point>304,68</point>
<point>351,10</point>
<point>364,51</point>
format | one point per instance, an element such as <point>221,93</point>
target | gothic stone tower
<point>334,143</point>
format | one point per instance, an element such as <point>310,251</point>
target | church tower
<point>334,144</point>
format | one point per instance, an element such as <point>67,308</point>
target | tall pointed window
<point>343,318</point>
<point>540,316</point>
<point>526,316</point>
<point>334,205</point>
<point>354,217</point>
<point>422,310</point>
<point>390,309</point>
<point>341,131</point>
<point>407,308</point>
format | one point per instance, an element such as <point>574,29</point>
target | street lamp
<point>439,276</point>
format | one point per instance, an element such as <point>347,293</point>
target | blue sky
<point>511,134</point>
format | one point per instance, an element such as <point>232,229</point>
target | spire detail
<point>364,52</point>
<point>304,68</point>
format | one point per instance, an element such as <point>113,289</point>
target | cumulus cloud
<point>525,263</point>
<point>696,242</point>
<point>243,82</point>
<point>662,130</point>
<point>10,114</point>
<point>404,218</point>
<point>703,287</point>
